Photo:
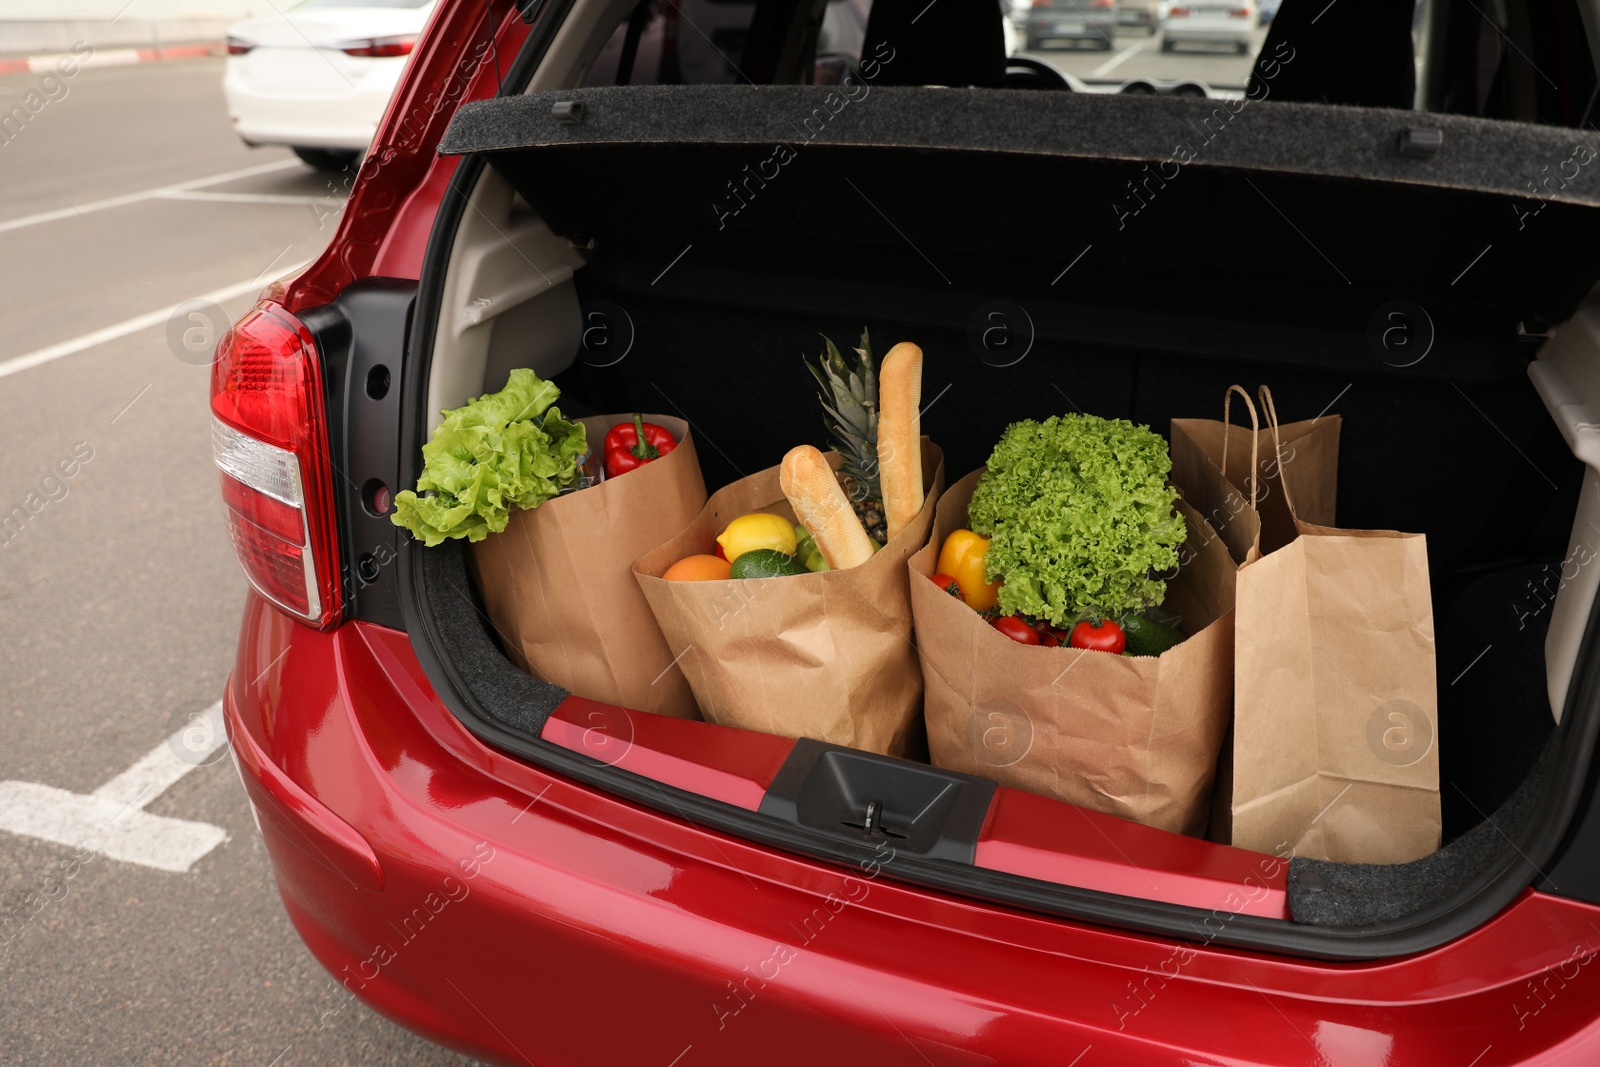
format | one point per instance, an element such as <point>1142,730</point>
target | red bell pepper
<point>628,447</point>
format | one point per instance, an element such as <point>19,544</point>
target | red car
<point>532,877</point>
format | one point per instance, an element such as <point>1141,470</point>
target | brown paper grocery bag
<point>1230,475</point>
<point>825,655</point>
<point>1135,736</point>
<point>1335,749</point>
<point>558,581</point>
<point>1218,466</point>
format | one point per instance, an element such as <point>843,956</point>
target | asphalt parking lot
<point>121,198</point>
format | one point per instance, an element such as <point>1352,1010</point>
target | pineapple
<point>850,415</point>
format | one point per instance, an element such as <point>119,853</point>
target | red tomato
<point>1103,637</point>
<point>1016,629</point>
<point>947,583</point>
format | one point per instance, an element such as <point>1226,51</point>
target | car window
<point>1528,61</point>
<point>1525,60</point>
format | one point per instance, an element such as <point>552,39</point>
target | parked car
<point>1218,22</point>
<point>1144,14</point>
<point>318,76</point>
<point>1090,22</point>
<point>531,876</point>
<point>1266,9</point>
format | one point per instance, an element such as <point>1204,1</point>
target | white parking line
<point>124,328</point>
<point>249,198</point>
<point>1121,57</point>
<point>146,194</point>
<point>112,820</point>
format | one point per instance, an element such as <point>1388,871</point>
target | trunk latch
<point>862,798</point>
<point>872,822</point>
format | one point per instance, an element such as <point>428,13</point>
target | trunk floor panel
<point>1355,894</point>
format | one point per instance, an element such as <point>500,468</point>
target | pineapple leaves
<point>849,396</point>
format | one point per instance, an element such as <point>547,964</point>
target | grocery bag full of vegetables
<point>786,597</point>
<point>1083,648</point>
<point>556,510</point>
<point>825,654</point>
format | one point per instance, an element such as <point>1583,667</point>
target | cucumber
<point>766,563</point>
<point>1146,637</point>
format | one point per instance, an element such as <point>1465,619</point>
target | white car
<point>318,77</point>
<point>1227,22</point>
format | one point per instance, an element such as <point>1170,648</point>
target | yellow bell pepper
<point>962,558</point>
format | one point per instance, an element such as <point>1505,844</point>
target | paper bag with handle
<point>558,584</point>
<point>1231,475</point>
<point>1224,472</point>
<point>826,655</point>
<point>1134,736</point>
<point>1335,746</point>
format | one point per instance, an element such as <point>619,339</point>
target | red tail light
<point>269,436</point>
<point>1037,4</point>
<point>1103,3</point>
<point>238,46</point>
<point>1241,12</point>
<point>379,47</point>
<point>1178,13</point>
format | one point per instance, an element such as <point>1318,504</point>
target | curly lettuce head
<point>499,449</point>
<point>1079,517</point>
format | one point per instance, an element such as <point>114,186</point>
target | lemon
<point>758,530</point>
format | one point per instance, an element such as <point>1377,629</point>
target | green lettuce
<point>499,449</point>
<point>1079,516</point>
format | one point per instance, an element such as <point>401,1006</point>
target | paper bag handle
<point>1255,434</point>
<point>1271,411</point>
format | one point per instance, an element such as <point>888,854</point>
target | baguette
<point>822,508</point>
<point>900,435</point>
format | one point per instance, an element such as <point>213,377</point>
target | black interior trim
<point>1574,871</point>
<point>362,338</point>
<point>770,27</point>
<point>630,42</point>
<point>927,811</point>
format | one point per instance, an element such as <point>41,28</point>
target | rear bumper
<point>521,917</point>
<point>1047,29</point>
<point>1209,35</point>
<point>346,119</point>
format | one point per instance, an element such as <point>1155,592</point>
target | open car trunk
<point>1142,254</point>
